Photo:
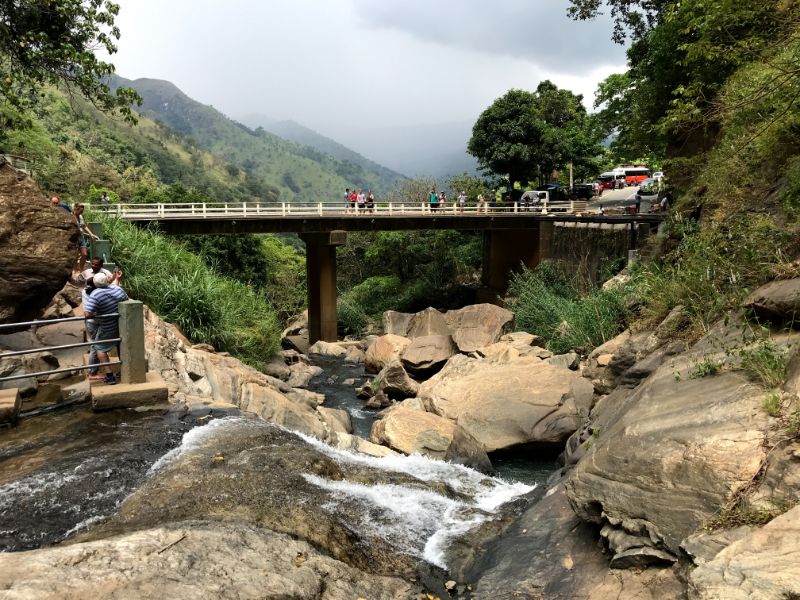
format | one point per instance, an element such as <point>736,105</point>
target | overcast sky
<point>344,67</point>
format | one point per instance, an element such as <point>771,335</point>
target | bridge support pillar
<point>506,250</point>
<point>321,279</point>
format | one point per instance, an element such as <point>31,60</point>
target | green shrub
<point>183,290</point>
<point>707,366</point>
<point>351,317</point>
<point>772,404</point>
<point>765,362</point>
<point>547,304</point>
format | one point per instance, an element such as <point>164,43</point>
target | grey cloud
<point>538,31</point>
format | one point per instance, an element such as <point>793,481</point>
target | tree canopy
<point>54,42</point>
<point>526,135</point>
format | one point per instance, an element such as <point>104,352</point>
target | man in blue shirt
<point>103,301</point>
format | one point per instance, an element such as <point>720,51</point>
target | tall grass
<point>183,290</point>
<point>546,303</point>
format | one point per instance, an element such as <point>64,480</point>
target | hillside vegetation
<point>300,173</point>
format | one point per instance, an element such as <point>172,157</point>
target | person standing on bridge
<point>462,201</point>
<point>434,199</point>
<point>346,200</point>
<point>370,201</point>
<point>361,199</point>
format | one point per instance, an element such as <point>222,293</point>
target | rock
<point>10,405</point>
<point>618,280</point>
<point>427,354</point>
<point>761,565</point>
<point>478,325</point>
<point>298,325</point>
<point>226,381</point>
<point>203,347</point>
<point>688,447</point>
<point>395,382</point>
<point>521,339</point>
<point>378,401</point>
<point>396,323</point>
<point>277,368</point>
<point>777,301</point>
<point>570,361</point>
<point>606,364</point>
<point>704,545</point>
<point>549,553</point>
<point>792,383</point>
<point>57,309</point>
<point>336,419</point>
<point>298,343</point>
<point>71,295</point>
<point>505,351</point>
<point>301,374</point>
<point>203,559</point>
<point>345,441</point>
<point>327,349</point>
<point>384,350</point>
<point>274,407</point>
<point>38,246</point>
<point>414,432</point>
<point>268,477</point>
<point>503,405</point>
<point>355,356</point>
<point>427,322</point>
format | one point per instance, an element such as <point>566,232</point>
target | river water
<point>62,472</point>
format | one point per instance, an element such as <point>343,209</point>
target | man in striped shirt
<point>103,301</point>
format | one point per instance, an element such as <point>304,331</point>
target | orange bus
<point>635,174</point>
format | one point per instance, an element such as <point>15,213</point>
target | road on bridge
<point>624,197</point>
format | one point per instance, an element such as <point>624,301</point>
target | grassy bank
<point>181,288</point>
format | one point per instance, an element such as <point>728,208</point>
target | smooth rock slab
<point>10,405</point>
<point>478,325</point>
<point>777,300</point>
<point>384,350</point>
<point>129,395</point>
<point>190,560</point>
<point>427,354</point>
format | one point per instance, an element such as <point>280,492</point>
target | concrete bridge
<point>512,235</point>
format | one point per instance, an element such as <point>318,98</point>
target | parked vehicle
<point>556,192</point>
<point>611,180</point>
<point>635,174</point>
<point>648,187</point>
<point>582,191</point>
<point>658,175</point>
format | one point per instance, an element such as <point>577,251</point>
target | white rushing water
<point>417,521</point>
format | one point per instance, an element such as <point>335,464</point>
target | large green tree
<point>54,42</point>
<point>526,135</point>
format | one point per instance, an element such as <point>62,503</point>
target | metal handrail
<point>41,322</point>
<point>52,348</point>
<point>64,370</point>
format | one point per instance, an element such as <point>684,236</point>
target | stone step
<point>10,405</point>
<point>129,395</point>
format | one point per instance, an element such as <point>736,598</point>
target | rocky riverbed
<point>367,469</point>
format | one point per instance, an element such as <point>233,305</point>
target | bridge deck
<point>288,218</point>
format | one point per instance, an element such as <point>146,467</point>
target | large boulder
<point>776,301</point>
<point>505,404</point>
<point>395,382</point>
<point>38,246</point>
<point>478,325</point>
<point>396,322</point>
<point>197,559</point>
<point>666,457</point>
<point>427,322</point>
<point>384,350</point>
<point>415,432</point>
<point>427,354</point>
<point>763,565</point>
<point>329,349</point>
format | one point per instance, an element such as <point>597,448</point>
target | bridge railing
<point>241,210</point>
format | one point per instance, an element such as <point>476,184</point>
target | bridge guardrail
<point>322,209</point>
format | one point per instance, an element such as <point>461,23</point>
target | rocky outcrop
<point>427,354</point>
<point>665,457</point>
<point>329,349</point>
<point>777,301</point>
<point>763,565</point>
<point>38,246</point>
<point>478,325</point>
<point>507,403</point>
<point>396,323</point>
<point>549,553</point>
<point>414,432</point>
<point>384,350</point>
<point>196,559</point>
<point>196,377</point>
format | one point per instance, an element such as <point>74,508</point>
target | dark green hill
<point>301,173</point>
